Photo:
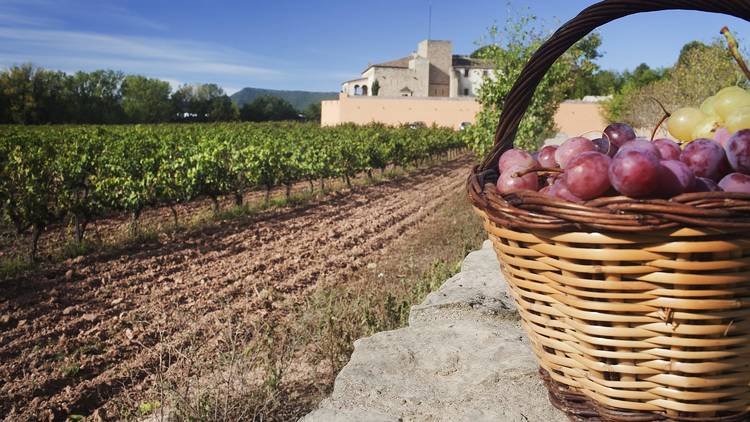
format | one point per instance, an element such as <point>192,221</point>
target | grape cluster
<point>720,115</point>
<point>619,162</point>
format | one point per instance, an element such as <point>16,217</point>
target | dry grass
<point>280,368</point>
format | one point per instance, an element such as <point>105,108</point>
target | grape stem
<point>537,170</point>
<point>663,118</point>
<point>734,49</point>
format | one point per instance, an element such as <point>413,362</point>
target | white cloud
<point>14,18</point>
<point>66,48</point>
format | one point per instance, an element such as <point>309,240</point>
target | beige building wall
<point>450,112</point>
<point>572,118</point>
<point>575,118</point>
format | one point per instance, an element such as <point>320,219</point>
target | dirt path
<point>78,335</point>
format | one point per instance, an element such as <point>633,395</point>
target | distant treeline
<point>33,95</point>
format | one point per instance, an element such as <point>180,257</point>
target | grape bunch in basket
<point>711,153</point>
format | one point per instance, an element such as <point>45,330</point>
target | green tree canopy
<point>268,108</point>
<point>313,111</point>
<point>699,73</point>
<point>509,50</point>
<point>96,96</point>
<point>146,100</point>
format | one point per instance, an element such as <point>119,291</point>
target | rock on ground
<point>463,357</point>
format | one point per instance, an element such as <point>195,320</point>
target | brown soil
<point>78,334</point>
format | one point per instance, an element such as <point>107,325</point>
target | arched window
<point>356,90</point>
<point>364,90</point>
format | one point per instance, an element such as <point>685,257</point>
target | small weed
<point>146,408</point>
<point>88,349</point>
<point>72,249</point>
<point>71,370</point>
<point>15,265</point>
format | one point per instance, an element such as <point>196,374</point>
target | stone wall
<point>463,357</point>
<point>572,118</point>
<point>443,111</point>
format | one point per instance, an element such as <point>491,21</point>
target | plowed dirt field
<point>75,335</point>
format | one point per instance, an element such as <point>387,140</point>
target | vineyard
<point>77,174</point>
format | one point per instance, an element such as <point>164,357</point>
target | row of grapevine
<point>48,174</point>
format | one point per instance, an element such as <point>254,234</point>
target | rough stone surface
<point>463,357</point>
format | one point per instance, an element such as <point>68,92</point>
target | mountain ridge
<point>300,100</point>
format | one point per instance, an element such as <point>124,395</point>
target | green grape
<point>729,101</point>
<point>683,121</point>
<point>738,119</point>
<point>706,127</point>
<point>708,106</point>
<point>732,88</point>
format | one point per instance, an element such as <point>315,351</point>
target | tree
<point>375,87</point>
<point>268,108</point>
<point>4,116</point>
<point>313,111</point>
<point>145,100</point>
<point>223,109</point>
<point>697,74</point>
<point>583,55</point>
<point>520,39</point>
<point>202,102</point>
<point>180,100</point>
<point>96,97</point>
<point>686,50</point>
<point>18,87</point>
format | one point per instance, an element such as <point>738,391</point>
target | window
<point>466,91</point>
<point>466,73</point>
<point>486,72</point>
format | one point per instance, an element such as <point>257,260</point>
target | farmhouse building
<point>431,71</point>
<point>432,86</point>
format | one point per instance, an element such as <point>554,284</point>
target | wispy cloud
<point>13,18</point>
<point>126,53</point>
<point>30,12</point>
<point>129,18</point>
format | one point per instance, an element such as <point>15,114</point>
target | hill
<point>299,99</point>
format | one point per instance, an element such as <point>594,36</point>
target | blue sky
<point>309,45</point>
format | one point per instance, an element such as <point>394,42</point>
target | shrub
<point>700,71</point>
<point>509,50</point>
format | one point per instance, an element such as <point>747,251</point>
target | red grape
<point>735,182</point>
<point>675,178</point>
<point>571,148</point>
<point>642,145</point>
<point>604,146</point>
<point>560,190</point>
<point>515,157</point>
<point>738,151</point>
<point>634,173</point>
<point>586,175</point>
<point>545,190</point>
<point>619,133</point>
<point>669,149</point>
<point>706,158</point>
<point>547,156</point>
<point>721,136</point>
<point>509,182</point>
<point>703,184</point>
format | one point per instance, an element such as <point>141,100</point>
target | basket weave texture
<point>637,310</point>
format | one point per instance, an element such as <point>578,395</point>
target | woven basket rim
<point>532,210</point>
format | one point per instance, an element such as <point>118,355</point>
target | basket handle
<point>519,96</point>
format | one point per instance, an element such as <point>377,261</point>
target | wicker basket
<point>638,310</point>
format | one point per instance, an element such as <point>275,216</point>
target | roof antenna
<point>429,24</point>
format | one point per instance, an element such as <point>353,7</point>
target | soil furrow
<point>104,319</point>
